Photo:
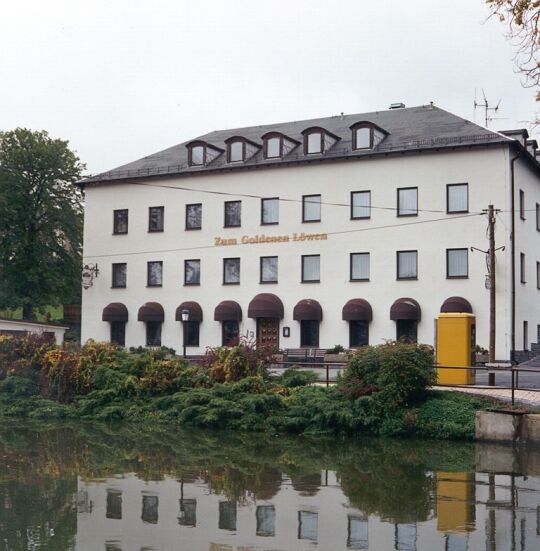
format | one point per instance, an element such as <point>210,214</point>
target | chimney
<point>397,106</point>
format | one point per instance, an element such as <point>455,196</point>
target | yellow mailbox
<point>456,342</point>
<point>455,504</point>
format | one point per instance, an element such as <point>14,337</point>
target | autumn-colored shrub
<point>228,365</point>
<point>21,355</point>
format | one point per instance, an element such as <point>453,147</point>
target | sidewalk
<point>524,397</point>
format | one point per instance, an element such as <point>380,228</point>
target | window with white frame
<point>231,271</point>
<point>270,210</point>
<point>269,269</point>
<point>155,274</point>
<point>192,272</point>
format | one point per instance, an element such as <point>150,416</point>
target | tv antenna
<point>487,108</point>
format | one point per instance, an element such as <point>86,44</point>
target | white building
<point>342,230</point>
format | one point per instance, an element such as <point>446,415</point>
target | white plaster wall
<point>36,328</point>
<point>485,170</point>
<point>528,242</point>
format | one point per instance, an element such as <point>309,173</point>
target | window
<point>119,275</point>
<point>114,504</point>
<point>236,152</point>
<point>270,211</point>
<point>120,221</point>
<point>362,138</point>
<point>307,525</point>
<point>314,143</point>
<point>153,333</point>
<point>230,333</point>
<point>231,271</point>
<point>192,272</point>
<point>233,214</point>
<point>457,263</point>
<point>197,155</point>
<point>311,208</point>
<point>150,507</point>
<point>407,201</point>
<point>273,147</point>
<point>359,267</point>
<point>309,333</point>
<point>266,520</point>
<point>227,515</point>
<point>538,216</point>
<point>457,198</point>
<point>311,268</point>
<point>358,333</point>
<point>118,332</point>
<point>194,216</point>
<point>360,204</point>
<point>269,269</point>
<point>407,264</point>
<point>155,274</point>
<point>405,537</point>
<point>191,333</point>
<point>407,330</point>
<point>522,267</point>
<point>188,512</point>
<point>155,219</point>
<point>522,204</point>
<point>538,275</point>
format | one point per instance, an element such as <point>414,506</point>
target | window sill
<point>231,283</point>
<point>358,280</point>
<point>267,282</point>
<point>118,286</point>
<point>119,233</point>
<point>457,277</point>
<point>310,221</point>
<point>269,223</point>
<point>457,211</point>
<point>311,281</point>
<point>192,284</point>
<point>156,231</point>
<point>193,229</point>
<point>406,215</point>
<point>160,285</point>
<point>407,279</point>
<point>235,226</point>
<point>360,217</point>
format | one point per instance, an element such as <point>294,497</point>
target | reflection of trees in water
<point>373,472</point>
<point>39,515</point>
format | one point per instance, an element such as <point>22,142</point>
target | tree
<point>40,221</point>
<point>522,18</point>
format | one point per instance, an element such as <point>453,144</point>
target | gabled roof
<point>409,129</point>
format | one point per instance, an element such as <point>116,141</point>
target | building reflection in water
<point>150,506</point>
<point>114,504</point>
<point>227,515</point>
<point>357,532</point>
<point>308,525</point>
<point>405,537</point>
<point>266,521</point>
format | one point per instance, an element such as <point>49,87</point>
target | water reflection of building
<point>128,514</point>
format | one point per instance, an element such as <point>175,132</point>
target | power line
<point>342,232</point>
<point>283,199</point>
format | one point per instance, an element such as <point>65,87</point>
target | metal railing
<point>328,367</point>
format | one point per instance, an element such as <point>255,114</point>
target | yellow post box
<point>455,502</point>
<point>456,343</point>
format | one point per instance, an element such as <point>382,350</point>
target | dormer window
<point>201,153</point>
<point>240,149</point>
<point>366,135</point>
<point>318,140</point>
<point>277,145</point>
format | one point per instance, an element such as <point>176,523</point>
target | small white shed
<point>23,327</point>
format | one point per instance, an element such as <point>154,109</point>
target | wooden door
<point>268,332</point>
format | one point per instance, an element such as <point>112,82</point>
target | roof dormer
<point>201,153</point>
<point>276,145</point>
<point>240,149</point>
<point>317,140</point>
<point>366,135</point>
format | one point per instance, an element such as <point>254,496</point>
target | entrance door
<point>268,332</point>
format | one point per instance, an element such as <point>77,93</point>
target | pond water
<point>111,488</point>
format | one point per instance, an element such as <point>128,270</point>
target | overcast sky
<point>121,79</point>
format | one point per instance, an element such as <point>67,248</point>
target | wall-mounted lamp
<point>88,274</point>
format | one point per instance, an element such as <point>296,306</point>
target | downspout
<point>513,259</point>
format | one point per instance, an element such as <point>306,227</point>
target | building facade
<point>344,230</point>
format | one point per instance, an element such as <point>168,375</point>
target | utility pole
<point>492,283</point>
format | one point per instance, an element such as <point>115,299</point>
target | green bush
<point>338,348</point>
<point>293,377</point>
<point>398,372</point>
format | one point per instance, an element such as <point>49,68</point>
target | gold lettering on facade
<point>255,239</point>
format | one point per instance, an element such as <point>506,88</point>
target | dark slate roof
<point>409,129</point>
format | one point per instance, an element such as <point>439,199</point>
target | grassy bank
<point>383,391</point>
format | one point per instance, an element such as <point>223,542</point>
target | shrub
<point>398,372</point>
<point>293,377</point>
<point>338,348</point>
<point>21,355</point>
<point>228,365</point>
